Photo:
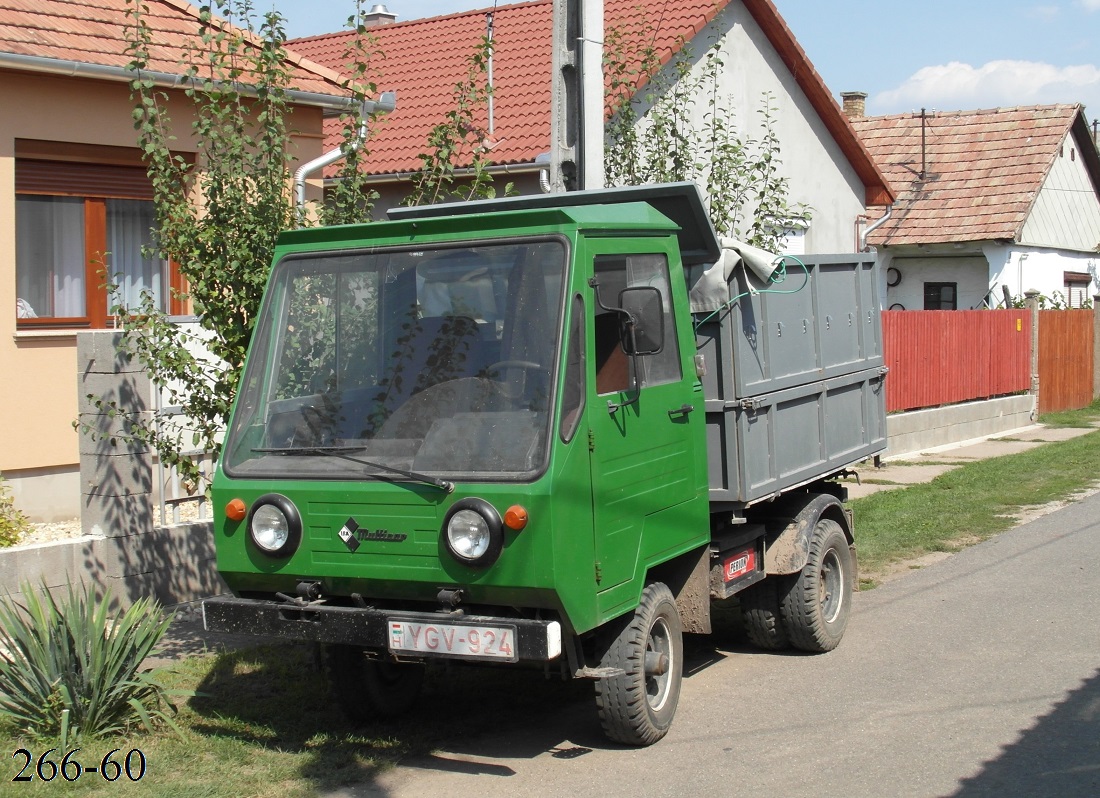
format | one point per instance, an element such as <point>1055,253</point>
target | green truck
<point>545,431</point>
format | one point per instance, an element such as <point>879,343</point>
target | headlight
<point>473,533</point>
<point>275,525</point>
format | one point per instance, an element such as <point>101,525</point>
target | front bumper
<point>535,640</point>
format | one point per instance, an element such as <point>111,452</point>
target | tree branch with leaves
<point>746,193</point>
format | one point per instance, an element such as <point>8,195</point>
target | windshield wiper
<point>339,451</point>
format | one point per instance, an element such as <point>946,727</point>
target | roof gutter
<point>383,105</point>
<point>80,69</point>
<point>498,169</point>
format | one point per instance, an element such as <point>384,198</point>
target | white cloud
<point>1048,13</point>
<point>1089,5</point>
<point>959,86</point>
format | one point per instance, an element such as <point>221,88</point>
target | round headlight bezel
<point>293,519</point>
<point>493,522</point>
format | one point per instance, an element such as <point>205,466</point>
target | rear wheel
<point>371,689</point>
<point>761,613</point>
<point>637,707</point>
<point>816,609</point>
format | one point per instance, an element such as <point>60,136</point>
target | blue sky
<point>942,54</point>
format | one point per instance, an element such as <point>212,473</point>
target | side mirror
<point>642,321</point>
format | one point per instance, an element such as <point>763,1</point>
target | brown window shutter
<point>81,180</point>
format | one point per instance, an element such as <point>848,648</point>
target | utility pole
<point>576,120</point>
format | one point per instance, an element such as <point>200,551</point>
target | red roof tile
<point>424,59</point>
<point>981,170</point>
<point>94,32</point>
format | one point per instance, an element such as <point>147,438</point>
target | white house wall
<point>1041,269</point>
<point>1066,214</point>
<point>819,172</point>
<point>969,273</point>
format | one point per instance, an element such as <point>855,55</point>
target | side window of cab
<point>613,367</point>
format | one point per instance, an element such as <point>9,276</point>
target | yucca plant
<point>73,654</point>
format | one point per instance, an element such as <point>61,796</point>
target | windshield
<point>420,362</point>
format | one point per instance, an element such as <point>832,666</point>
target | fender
<point>790,525</point>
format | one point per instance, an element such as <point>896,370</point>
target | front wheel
<point>815,610</point>
<point>637,706</point>
<point>371,689</point>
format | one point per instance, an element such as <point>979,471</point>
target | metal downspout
<point>385,104</point>
<point>879,222</point>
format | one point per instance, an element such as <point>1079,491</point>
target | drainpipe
<point>879,222</point>
<point>385,104</point>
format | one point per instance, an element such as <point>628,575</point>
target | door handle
<point>681,411</point>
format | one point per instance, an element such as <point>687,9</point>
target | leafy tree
<point>747,196</point>
<point>218,216</point>
<point>457,138</point>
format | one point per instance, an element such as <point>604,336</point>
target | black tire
<point>637,707</point>
<point>816,609</point>
<point>370,689</point>
<point>761,613</point>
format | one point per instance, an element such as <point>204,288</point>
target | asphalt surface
<point>977,676</point>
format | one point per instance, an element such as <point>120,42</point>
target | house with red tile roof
<point>73,188</point>
<point>423,59</point>
<point>987,201</point>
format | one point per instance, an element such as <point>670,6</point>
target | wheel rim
<point>831,586</point>
<point>659,664</point>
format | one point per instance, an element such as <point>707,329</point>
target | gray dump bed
<point>794,382</point>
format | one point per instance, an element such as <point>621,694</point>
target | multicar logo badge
<point>352,534</point>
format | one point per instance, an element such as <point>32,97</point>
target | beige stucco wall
<point>38,397</point>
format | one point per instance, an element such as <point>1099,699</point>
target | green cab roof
<point>676,207</point>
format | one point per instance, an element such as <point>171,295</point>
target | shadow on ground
<point>469,719</point>
<point>1058,756</point>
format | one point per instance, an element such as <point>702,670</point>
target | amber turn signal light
<point>515,517</point>
<point>236,510</point>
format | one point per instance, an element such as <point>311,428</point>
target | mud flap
<point>786,548</point>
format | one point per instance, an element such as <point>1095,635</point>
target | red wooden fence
<point>1065,359</point>
<point>941,357</point>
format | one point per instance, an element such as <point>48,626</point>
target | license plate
<point>454,640</point>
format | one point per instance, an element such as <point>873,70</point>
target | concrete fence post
<point>116,475</point>
<point>1032,300</point>
<point>1096,347</point>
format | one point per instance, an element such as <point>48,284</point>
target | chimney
<point>378,15</point>
<point>855,103</point>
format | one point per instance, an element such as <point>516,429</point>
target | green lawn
<point>975,500</point>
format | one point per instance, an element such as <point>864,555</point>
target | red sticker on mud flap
<point>740,563</point>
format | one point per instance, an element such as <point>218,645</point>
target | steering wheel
<point>503,365</point>
<point>500,365</point>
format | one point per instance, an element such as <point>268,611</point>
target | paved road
<point>978,676</point>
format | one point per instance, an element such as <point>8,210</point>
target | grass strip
<point>264,725</point>
<point>971,502</point>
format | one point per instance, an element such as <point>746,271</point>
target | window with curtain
<point>82,227</point>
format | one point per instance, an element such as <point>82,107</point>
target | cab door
<point>642,423</point>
